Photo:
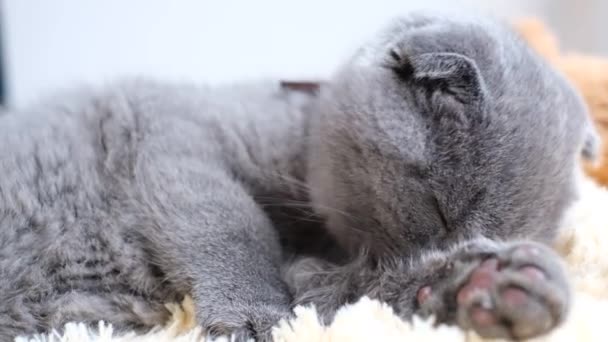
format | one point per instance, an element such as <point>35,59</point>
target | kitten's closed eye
<point>442,217</point>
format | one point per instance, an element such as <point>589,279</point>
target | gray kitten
<point>429,158</point>
<point>453,151</point>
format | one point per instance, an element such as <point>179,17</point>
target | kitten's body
<point>76,208</point>
<point>114,202</point>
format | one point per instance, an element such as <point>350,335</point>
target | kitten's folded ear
<point>453,75</point>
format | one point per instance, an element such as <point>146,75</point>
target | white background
<point>57,43</point>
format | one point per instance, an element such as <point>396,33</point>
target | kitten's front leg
<point>211,239</point>
<point>507,290</point>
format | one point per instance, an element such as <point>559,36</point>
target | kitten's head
<point>442,129</point>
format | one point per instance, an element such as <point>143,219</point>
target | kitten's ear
<point>453,75</point>
<point>591,144</point>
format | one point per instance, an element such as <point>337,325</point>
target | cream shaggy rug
<point>583,243</point>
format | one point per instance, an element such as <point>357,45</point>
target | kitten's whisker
<point>296,204</point>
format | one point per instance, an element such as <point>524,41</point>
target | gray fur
<point>115,201</point>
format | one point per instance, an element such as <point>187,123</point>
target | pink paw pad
<point>483,317</point>
<point>517,294</point>
<point>483,278</point>
<point>533,273</point>
<point>423,294</point>
<point>514,297</point>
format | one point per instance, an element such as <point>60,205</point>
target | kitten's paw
<point>245,323</point>
<point>517,292</point>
